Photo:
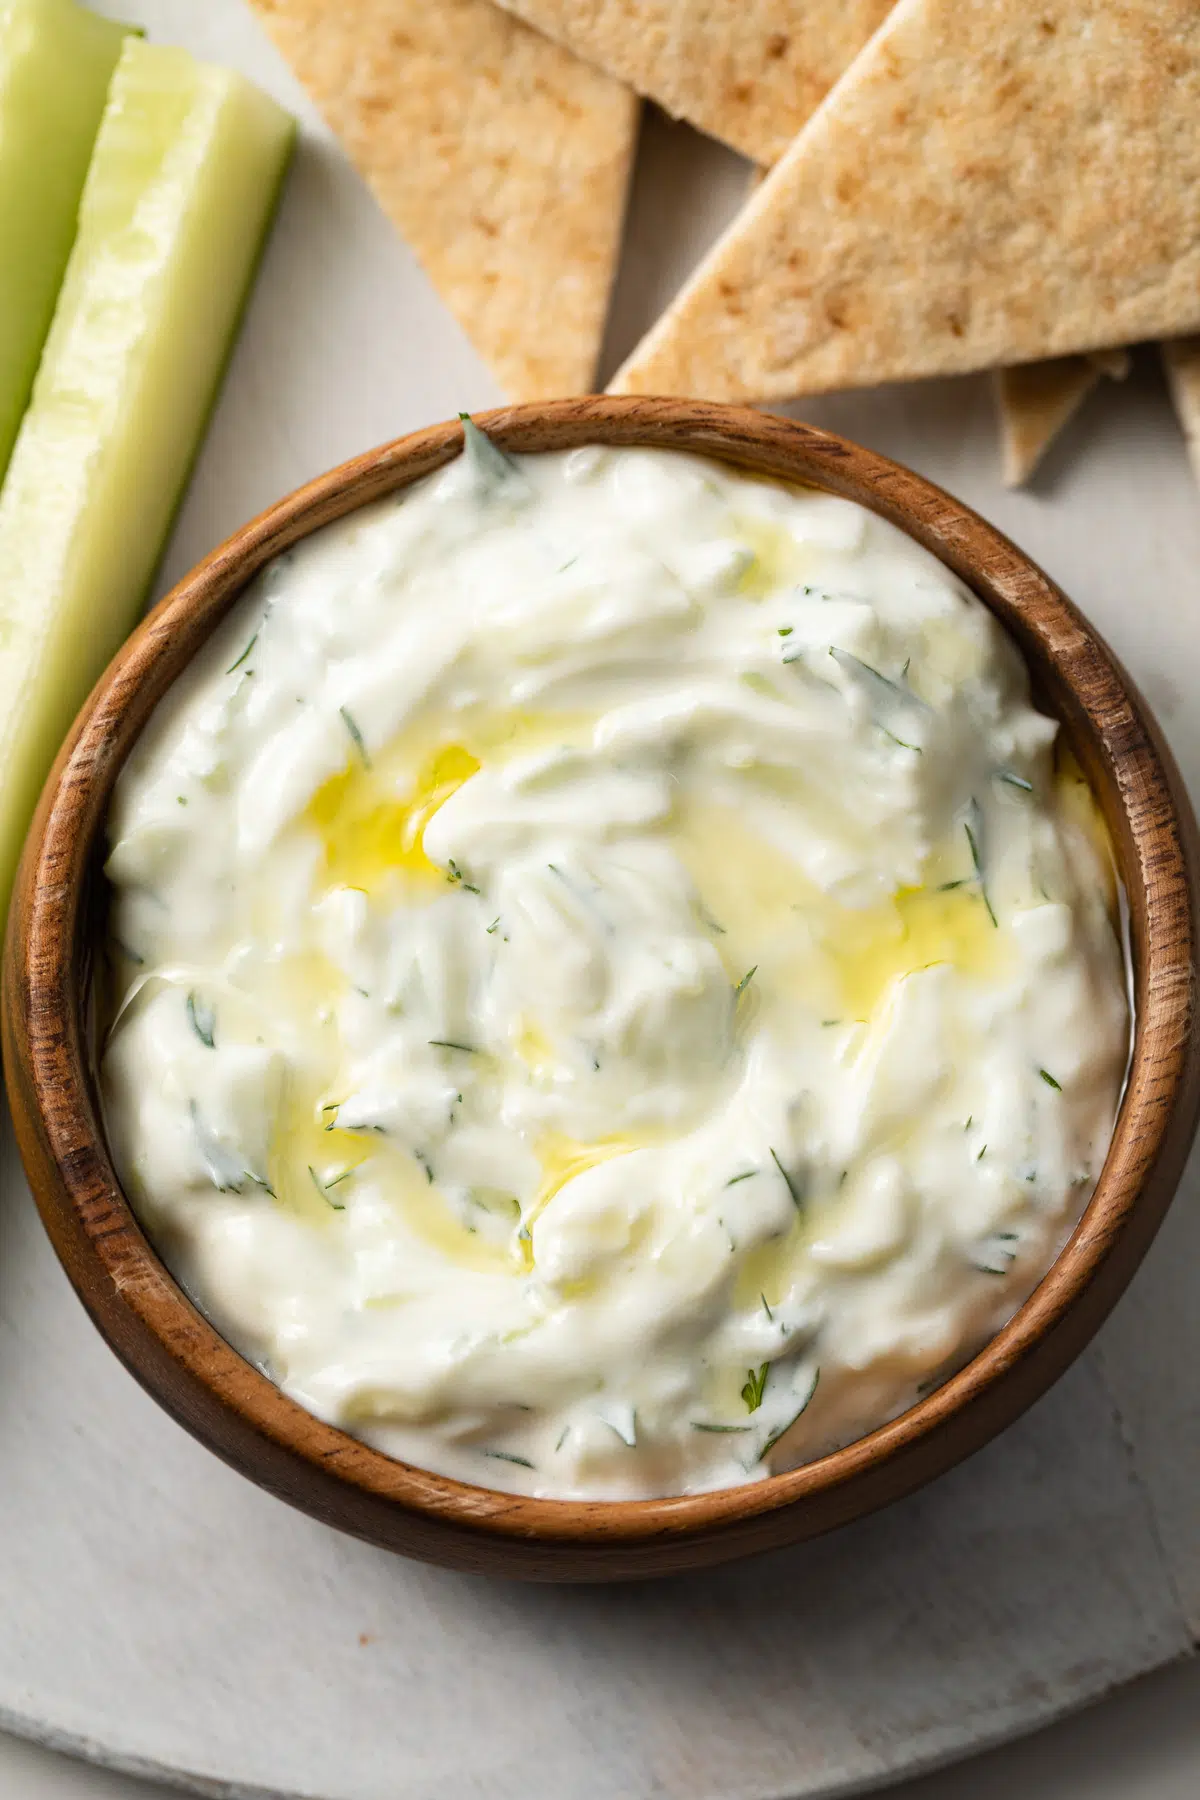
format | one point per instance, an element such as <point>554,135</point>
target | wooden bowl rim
<point>72,813</point>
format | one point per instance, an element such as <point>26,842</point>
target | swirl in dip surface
<point>616,989</point>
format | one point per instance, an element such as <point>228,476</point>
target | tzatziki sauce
<point>614,988</point>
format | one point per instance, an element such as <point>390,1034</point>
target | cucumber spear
<point>177,203</point>
<point>56,61</point>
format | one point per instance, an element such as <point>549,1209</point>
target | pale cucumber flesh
<point>56,61</point>
<point>177,203</point>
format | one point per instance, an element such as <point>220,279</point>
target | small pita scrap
<point>501,159</point>
<point>1181,360</point>
<point>1036,400</point>
<point>989,183</point>
<point>747,71</point>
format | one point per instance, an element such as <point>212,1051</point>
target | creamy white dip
<point>614,991</point>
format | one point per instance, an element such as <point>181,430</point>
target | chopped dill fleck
<point>746,1175</point>
<point>755,1387</point>
<point>970,1121</point>
<point>975,841</point>
<point>855,665</point>
<point>344,1176</point>
<point>826,1023</point>
<point>487,458</point>
<point>1017,781</point>
<point>351,725</point>
<point>785,630</point>
<point>982,1154</point>
<point>245,653</point>
<point>456,875</point>
<point>904,745</point>
<point>789,1184</point>
<point>215,1157</point>
<point>202,1021</point>
<point>948,887</point>
<point>885,693</point>
<point>1050,1081</point>
<point>703,1425</point>
<point>449,1044</point>
<point>744,983</point>
<point>259,1182</point>
<point>569,564</point>
<point>566,1432</point>
<point>181,799</point>
<point>508,1456</point>
<point>630,1440</point>
<point>784,1429</point>
<point>766,1308</point>
<point>320,1187</point>
<point>495,922</point>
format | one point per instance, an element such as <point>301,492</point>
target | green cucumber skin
<point>56,62</point>
<point>175,212</point>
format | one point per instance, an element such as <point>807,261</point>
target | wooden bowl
<point>179,1357</point>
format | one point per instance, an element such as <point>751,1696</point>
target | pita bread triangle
<point>1034,402</point>
<point>501,159</point>
<point>747,71</point>
<point>989,183</point>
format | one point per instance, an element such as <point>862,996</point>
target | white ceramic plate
<point>160,1614</point>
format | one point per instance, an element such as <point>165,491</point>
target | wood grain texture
<point>231,1407</point>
